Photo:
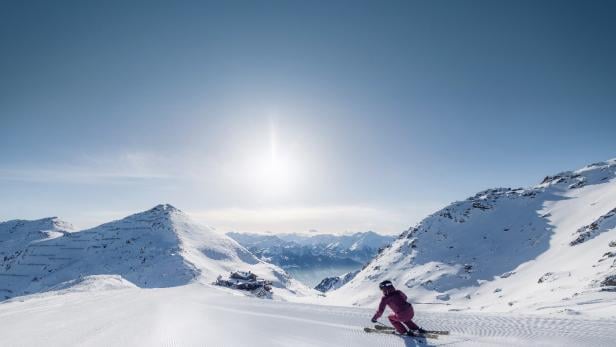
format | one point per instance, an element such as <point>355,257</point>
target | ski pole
<point>383,324</point>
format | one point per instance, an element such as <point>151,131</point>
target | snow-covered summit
<point>595,173</point>
<point>160,247</point>
<point>335,282</point>
<point>163,210</point>
<point>545,248</point>
<point>18,234</point>
<point>17,226</point>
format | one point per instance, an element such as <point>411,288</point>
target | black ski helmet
<point>385,284</point>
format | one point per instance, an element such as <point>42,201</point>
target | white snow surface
<point>199,315</point>
<point>508,250</point>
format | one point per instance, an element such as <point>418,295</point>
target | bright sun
<point>275,172</point>
<point>275,175</point>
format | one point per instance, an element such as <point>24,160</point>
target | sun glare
<point>275,175</point>
<point>275,172</point>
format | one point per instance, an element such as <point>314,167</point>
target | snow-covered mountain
<point>15,235</point>
<point>354,241</point>
<point>548,248</point>
<point>330,283</point>
<point>160,247</point>
<point>304,251</point>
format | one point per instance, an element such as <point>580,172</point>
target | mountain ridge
<point>506,249</point>
<point>159,247</point>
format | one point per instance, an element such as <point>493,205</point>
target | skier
<point>403,311</point>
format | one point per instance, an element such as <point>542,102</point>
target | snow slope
<point>198,315</point>
<point>545,249</point>
<point>160,247</point>
<point>335,282</point>
<point>15,235</point>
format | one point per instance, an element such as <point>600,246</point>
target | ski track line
<point>281,316</point>
<point>345,333</point>
<point>352,330</point>
<point>528,328</point>
<point>486,326</point>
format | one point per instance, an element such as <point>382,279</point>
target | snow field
<point>198,315</point>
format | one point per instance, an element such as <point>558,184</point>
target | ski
<point>436,332</point>
<point>393,332</point>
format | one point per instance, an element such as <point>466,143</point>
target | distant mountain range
<point>311,251</point>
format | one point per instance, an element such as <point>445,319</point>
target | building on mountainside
<point>246,280</point>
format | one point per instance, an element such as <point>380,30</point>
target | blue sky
<point>290,116</point>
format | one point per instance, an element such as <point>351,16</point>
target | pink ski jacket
<point>396,301</point>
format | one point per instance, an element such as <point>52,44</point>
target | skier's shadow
<point>413,342</point>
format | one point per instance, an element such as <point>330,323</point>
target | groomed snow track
<point>196,315</point>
